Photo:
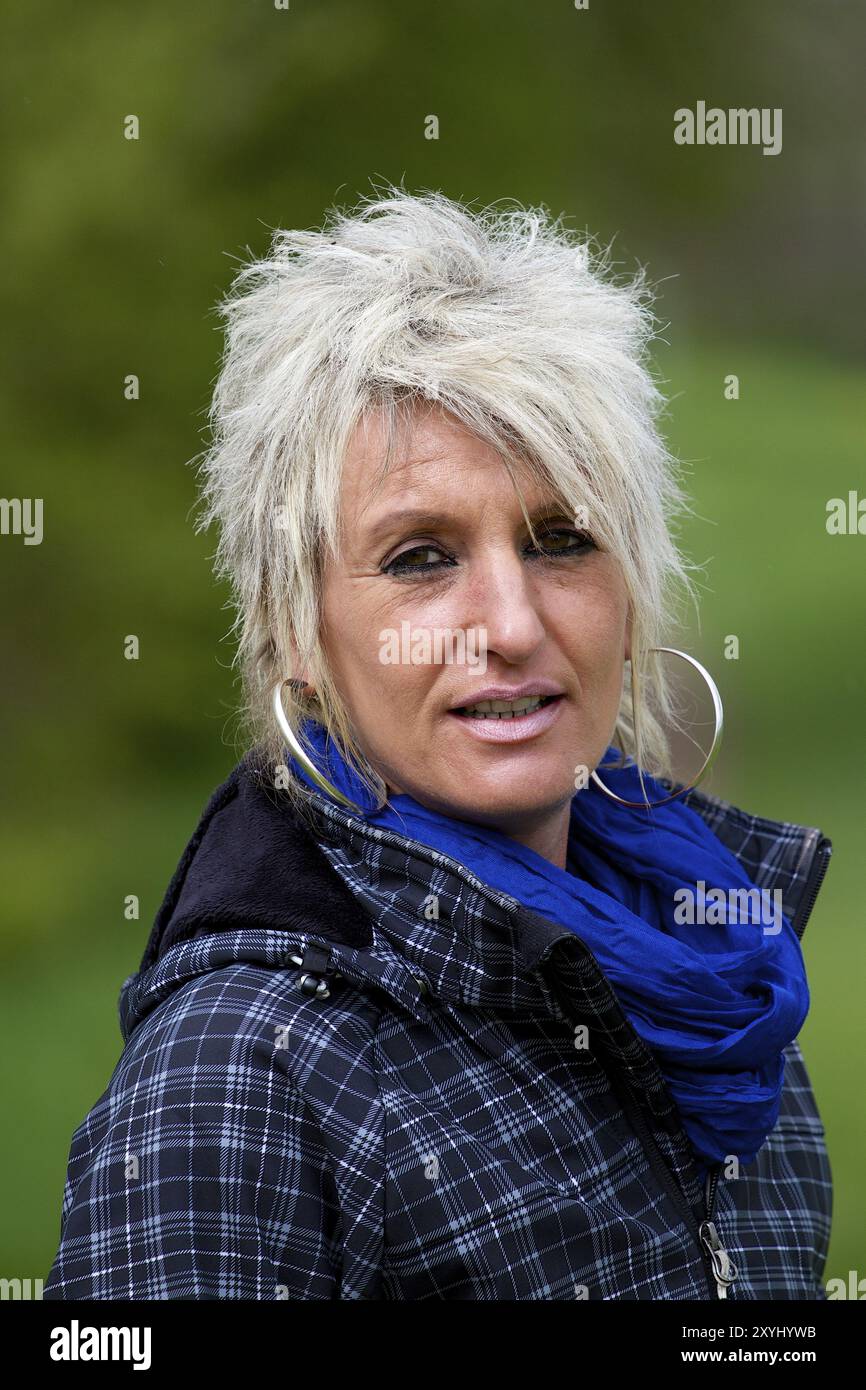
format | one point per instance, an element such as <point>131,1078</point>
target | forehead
<point>425,455</point>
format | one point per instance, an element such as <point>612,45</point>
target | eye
<point>408,561</point>
<point>576,542</point>
<point>411,563</point>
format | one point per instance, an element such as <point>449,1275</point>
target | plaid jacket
<point>350,1072</point>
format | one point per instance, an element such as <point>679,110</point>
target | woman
<point>448,998</point>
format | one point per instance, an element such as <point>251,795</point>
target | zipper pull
<point>724,1269</point>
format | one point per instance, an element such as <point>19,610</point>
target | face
<point>553,619</point>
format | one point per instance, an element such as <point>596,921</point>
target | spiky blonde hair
<point>502,317</point>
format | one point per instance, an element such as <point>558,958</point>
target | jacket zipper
<point>814,879</point>
<point>719,1270</point>
<point>723,1267</point>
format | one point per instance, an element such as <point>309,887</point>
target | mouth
<point>505,709</point>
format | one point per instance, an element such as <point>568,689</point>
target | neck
<point>544,832</point>
<point>547,837</point>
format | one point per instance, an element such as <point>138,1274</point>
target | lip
<point>508,692</point>
<point>511,730</point>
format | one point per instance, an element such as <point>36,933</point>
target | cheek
<point>352,653</point>
<point>354,620</point>
<point>602,685</point>
<point>593,625</point>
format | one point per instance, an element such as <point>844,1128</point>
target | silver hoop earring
<point>308,766</point>
<point>708,760</point>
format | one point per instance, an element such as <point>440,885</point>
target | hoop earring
<point>308,766</point>
<point>708,760</point>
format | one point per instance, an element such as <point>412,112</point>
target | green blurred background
<point>114,253</point>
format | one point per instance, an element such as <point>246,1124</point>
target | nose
<point>501,594</point>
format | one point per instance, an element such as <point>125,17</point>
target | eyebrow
<point>422,516</point>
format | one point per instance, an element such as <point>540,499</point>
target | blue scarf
<point>716,1003</point>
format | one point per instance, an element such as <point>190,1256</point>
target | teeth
<point>504,709</point>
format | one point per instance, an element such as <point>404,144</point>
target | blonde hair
<point>503,318</point>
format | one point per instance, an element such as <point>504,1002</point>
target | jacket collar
<point>251,864</point>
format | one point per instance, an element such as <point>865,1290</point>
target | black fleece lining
<point>242,869</point>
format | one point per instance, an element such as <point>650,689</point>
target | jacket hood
<point>250,883</point>
<point>243,867</point>
<point>253,885</point>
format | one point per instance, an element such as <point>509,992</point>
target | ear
<point>294,670</point>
